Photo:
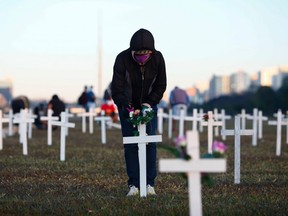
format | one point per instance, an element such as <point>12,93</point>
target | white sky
<point>51,46</point>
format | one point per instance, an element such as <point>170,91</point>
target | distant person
<point>56,105</point>
<point>83,99</point>
<point>91,98</point>
<point>179,100</point>
<point>107,93</point>
<point>20,102</point>
<point>39,111</point>
<point>163,105</point>
<point>110,109</point>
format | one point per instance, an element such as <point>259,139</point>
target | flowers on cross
<point>137,117</point>
<point>181,145</point>
<point>219,148</point>
<point>205,117</point>
<point>218,151</point>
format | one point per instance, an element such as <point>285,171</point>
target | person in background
<point>56,105</point>
<point>39,111</point>
<point>91,98</point>
<point>179,99</point>
<point>139,81</point>
<point>107,93</point>
<point>83,99</point>
<point>20,102</point>
<point>110,109</point>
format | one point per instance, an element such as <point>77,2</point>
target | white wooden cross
<point>254,119</point>
<point>261,118</point>
<point>279,124</point>
<point>200,115</point>
<point>237,132</point>
<point>103,119</point>
<point>216,117</point>
<point>193,168</point>
<point>243,116</point>
<point>2,120</point>
<point>49,118</point>
<point>63,124</point>
<point>23,119</point>
<point>142,141</point>
<point>170,123</point>
<point>160,116</point>
<point>68,115</point>
<point>10,116</point>
<point>91,115</point>
<point>30,125</point>
<point>222,117</point>
<point>83,114</point>
<point>210,123</point>
<point>194,119</point>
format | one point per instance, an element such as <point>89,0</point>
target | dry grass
<point>92,180</point>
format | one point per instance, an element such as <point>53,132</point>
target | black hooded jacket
<point>135,83</point>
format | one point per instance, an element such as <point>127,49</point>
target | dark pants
<point>131,151</point>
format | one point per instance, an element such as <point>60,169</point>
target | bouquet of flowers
<point>137,117</point>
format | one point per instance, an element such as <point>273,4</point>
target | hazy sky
<point>51,46</point>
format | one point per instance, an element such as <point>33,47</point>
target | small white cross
<point>63,124</point>
<point>210,123</point>
<point>160,116</point>
<point>2,120</point>
<point>278,124</point>
<point>10,125</point>
<point>49,118</point>
<point>237,133</point>
<point>103,119</point>
<point>23,119</point>
<point>142,140</point>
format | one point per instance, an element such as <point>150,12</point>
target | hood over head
<point>142,40</point>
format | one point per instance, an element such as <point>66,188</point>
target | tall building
<point>278,78</point>
<point>218,86</point>
<point>239,82</point>
<point>265,76</point>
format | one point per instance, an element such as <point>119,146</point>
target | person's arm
<point>159,86</point>
<point>118,84</point>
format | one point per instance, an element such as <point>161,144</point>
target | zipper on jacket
<point>142,69</point>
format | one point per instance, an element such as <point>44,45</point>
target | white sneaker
<point>133,191</point>
<point>150,190</point>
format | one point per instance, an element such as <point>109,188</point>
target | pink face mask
<point>142,58</point>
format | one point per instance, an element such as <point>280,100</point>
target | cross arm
<point>201,165</point>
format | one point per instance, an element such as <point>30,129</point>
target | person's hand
<point>137,112</point>
<point>145,108</point>
<point>127,110</point>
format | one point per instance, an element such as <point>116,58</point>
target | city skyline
<point>50,47</point>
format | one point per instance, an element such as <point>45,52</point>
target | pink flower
<point>180,141</point>
<point>219,147</point>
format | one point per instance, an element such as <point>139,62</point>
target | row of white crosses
<point>104,120</point>
<point>257,123</point>
<point>194,119</point>
<point>193,168</point>
<point>25,119</point>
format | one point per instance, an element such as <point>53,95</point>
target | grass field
<point>92,180</point>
